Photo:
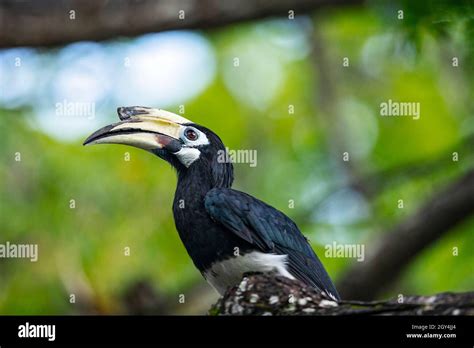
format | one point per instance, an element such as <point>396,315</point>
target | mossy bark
<point>268,294</point>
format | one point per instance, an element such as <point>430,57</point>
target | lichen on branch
<point>270,294</point>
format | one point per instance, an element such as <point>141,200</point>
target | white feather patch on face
<point>227,273</point>
<point>187,155</point>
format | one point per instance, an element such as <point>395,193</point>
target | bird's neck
<point>190,213</point>
<point>197,180</point>
<point>205,175</point>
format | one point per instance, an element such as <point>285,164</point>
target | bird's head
<point>177,140</point>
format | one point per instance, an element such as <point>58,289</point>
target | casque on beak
<point>142,127</point>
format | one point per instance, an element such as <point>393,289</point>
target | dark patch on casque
<point>126,112</point>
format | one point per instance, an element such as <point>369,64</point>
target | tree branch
<point>395,249</point>
<point>48,22</point>
<point>268,294</point>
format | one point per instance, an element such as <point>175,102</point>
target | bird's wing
<point>270,231</point>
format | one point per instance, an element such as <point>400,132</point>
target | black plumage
<point>226,232</point>
<point>269,230</point>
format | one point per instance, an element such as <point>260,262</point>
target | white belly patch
<point>229,272</point>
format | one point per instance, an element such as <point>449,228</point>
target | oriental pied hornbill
<point>226,232</point>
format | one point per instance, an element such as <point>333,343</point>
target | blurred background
<point>301,82</point>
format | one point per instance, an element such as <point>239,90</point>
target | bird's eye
<point>191,134</point>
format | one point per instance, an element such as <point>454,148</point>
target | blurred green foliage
<point>122,203</point>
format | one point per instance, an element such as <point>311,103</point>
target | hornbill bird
<point>226,232</point>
